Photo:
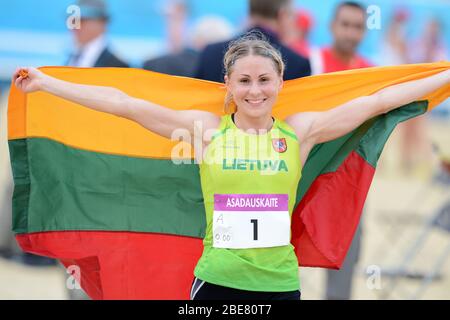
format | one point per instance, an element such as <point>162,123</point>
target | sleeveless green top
<point>249,183</point>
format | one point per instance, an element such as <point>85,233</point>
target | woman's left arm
<point>318,127</point>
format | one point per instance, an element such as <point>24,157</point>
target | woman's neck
<point>244,123</point>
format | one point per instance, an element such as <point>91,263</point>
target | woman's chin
<point>256,111</point>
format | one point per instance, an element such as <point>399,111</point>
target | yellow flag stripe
<point>43,115</point>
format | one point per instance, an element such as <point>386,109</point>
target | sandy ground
<point>397,209</point>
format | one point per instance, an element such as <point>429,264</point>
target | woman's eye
<point>244,80</point>
<point>264,79</point>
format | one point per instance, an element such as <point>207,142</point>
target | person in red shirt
<point>296,33</point>
<point>348,28</point>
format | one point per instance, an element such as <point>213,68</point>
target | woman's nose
<point>254,89</point>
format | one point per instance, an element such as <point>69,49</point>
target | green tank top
<point>249,184</point>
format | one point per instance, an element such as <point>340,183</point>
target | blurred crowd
<point>198,51</point>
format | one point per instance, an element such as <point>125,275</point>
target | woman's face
<point>254,84</point>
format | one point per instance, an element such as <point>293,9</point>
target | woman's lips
<point>255,102</point>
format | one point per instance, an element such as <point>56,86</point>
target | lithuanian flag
<point>102,193</point>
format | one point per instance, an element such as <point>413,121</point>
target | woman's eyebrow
<point>246,75</point>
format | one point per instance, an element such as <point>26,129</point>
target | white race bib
<point>242,221</point>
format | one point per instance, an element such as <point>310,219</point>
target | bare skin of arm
<point>317,127</point>
<point>158,119</point>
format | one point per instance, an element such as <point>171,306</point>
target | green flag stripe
<point>73,189</point>
<point>374,140</point>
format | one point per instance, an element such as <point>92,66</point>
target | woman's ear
<point>281,84</point>
<point>227,83</point>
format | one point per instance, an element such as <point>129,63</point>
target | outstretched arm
<point>317,127</point>
<point>158,119</point>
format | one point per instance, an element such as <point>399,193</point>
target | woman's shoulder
<point>224,124</point>
<point>301,123</point>
<point>286,128</point>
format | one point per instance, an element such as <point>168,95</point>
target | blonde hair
<point>252,43</point>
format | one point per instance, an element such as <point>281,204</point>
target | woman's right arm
<point>158,119</point>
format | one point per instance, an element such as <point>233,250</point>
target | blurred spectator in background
<point>297,34</point>
<point>207,30</point>
<point>395,46</point>
<point>416,149</point>
<point>348,29</point>
<point>91,47</point>
<point>430,47</point>
<point>176,13</point>
<point>267,17</point>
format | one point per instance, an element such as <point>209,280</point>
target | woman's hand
<point>29,79</point>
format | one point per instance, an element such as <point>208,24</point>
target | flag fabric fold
<point>102,194</point>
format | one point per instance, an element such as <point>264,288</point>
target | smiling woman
<point>247,250</point>
<point>255,87</point>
